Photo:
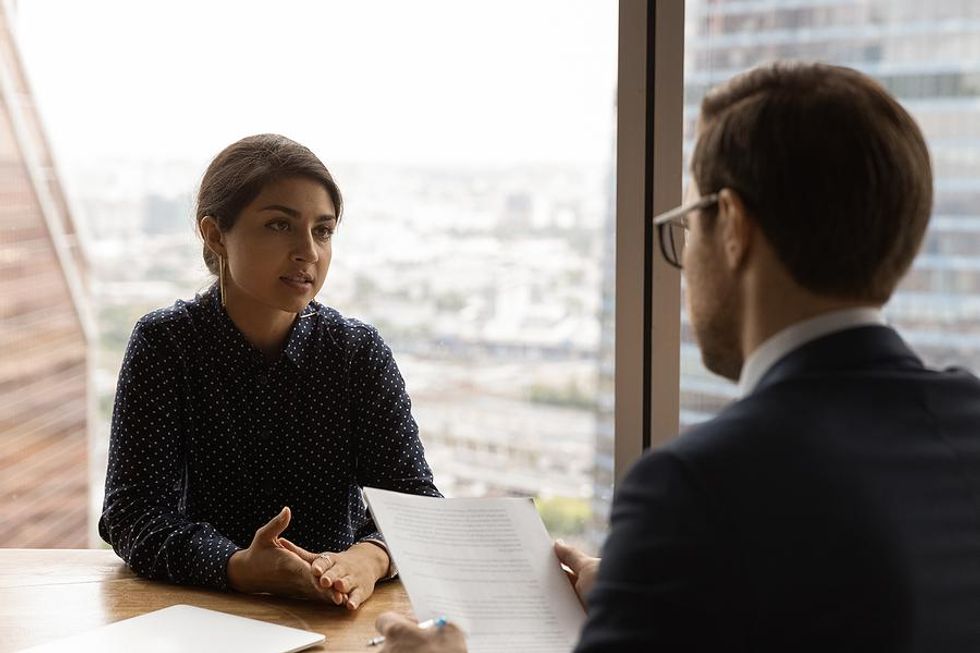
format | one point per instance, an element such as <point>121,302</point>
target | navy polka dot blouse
<point>209,440</point>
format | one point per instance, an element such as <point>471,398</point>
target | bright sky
<point>406,81</point>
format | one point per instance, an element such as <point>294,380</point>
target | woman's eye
<point>323,233</point>
<point>278,225</point>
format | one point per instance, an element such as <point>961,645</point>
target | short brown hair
<point>833,169</point>
<point>240,171</point>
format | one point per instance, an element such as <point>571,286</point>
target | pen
<point>438,622</point>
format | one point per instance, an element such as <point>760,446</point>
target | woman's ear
<point>737,229</point>
<point>211,235</point>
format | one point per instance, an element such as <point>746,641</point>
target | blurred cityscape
<point>485,283</point>
<point>492,284</point>
<point>484,280</point>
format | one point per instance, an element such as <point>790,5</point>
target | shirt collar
<point>296,342</point>
<point>794,336</point>
<point>299,337</point>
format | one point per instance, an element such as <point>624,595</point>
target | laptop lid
<point>186,629</point>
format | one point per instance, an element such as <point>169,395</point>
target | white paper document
<point>488,565</point>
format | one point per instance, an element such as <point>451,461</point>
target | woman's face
<point>279,249</point>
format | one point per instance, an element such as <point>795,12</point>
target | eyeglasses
<point>672,225</point>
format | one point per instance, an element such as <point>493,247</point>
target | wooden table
<point>47,594</point>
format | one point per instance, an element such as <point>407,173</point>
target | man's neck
<point>773,310</point>
<point>798,334</point>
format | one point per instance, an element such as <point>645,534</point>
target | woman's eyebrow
<point>293,213</point>
<point>284,209</point>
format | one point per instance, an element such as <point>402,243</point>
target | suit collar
<point>853,349</point>
<point>797,335</point>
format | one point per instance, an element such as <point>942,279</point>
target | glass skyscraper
<point>928,55</point>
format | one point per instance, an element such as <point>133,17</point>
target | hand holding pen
<point>439,623</point>
<point>403,635</point>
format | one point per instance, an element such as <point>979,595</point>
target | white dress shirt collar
<point>794,336</point>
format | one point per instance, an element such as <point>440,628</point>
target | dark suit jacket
<point>836,508</point>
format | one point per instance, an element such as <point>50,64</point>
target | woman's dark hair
<point>239,173</point>
<point>835,172</point>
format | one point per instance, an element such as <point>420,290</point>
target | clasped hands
<point>275,565</point>
<point>272,564</point>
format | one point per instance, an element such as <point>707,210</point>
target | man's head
<point>825,173</point>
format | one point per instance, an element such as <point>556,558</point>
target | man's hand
<point>583,568</point>
<point>404,636</point>
<point>267,566</point>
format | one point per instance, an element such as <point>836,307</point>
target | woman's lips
<point>299,283</point>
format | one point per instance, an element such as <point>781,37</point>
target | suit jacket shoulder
<point>836,508</point>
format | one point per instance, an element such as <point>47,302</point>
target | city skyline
<point>492,280</point>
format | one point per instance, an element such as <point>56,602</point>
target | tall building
<point>928,55</point>
<point>45,331</point>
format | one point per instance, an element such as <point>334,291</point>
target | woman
<point>252,397</point>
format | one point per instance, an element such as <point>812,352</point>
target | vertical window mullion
<point>649,160</point>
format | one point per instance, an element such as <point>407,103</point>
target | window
<point>474,146</point>
<point>924,53</point>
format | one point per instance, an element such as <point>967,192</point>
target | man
<point>836,505</point>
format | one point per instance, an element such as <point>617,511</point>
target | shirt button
<point>268,485</point>
<point>264,436</point>
<point>262,378</point>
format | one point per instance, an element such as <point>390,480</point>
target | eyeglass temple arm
<point>707,200</point>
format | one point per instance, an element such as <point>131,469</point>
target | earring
<point>221,278</point>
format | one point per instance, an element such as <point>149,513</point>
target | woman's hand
<point>583,568</point>
<point>404,636</point>
<point>347,577</point>
<point>352,574</point>
<point>268,566</point>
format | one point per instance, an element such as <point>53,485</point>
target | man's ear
<point>738,229</point>
<point>212,236</point>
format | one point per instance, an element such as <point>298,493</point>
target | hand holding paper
<point>583,568</point>
<point>487,564</point>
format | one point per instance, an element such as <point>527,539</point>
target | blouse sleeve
<point>389,453</point>
<point>142,516</point>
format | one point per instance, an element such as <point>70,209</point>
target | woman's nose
<point>305,249</point>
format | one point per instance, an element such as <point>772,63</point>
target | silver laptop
<point>186,629</point>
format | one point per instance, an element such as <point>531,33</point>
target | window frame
<point>649,167</point>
